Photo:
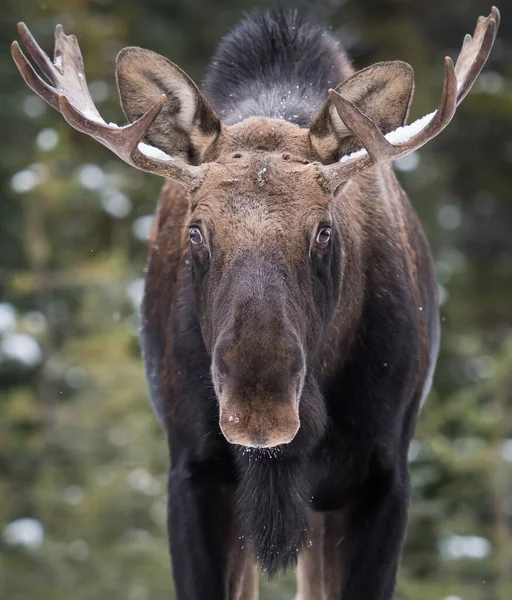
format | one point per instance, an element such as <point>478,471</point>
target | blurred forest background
<point>83,462</point>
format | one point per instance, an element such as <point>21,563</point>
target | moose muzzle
<point>258,386</point>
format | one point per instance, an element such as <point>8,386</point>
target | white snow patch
<point>152,152</point>
<point>398,136</point>
<point>24,532</point>
<point>404,134</point>
<point>58,61</point>
<point>356,154</point>
<point>22,348</point>
<point>92,115</point>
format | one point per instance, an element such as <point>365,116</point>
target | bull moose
<point>290,325</point>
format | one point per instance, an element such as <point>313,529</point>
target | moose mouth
<point>260,423</point>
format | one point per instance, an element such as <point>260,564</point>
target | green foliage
<point>80,450</point>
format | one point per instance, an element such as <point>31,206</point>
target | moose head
<point>268,255</point>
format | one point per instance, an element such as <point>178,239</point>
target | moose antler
<point>67,92</point>
<point>378,147</point>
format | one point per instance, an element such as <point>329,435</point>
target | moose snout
<point>259,388</point>
<point>259,427</point>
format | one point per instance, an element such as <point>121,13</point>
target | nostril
<point>221,370</point>
<point>296,360</point>
<point>220,364</point>
<point>297,366</point>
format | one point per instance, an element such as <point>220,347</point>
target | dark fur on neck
<point>277,65</point>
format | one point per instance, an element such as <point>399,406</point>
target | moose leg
<point>370,536</point>
<point>242,575</point>
<point>310,577</point>
<point>208,560</point>
<point>319,576</point>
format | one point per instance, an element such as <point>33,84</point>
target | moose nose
<point>258,387</point>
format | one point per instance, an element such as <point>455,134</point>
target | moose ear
<point>187,125</point>
<point>383,92</point>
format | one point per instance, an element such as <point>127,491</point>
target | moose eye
<point>323,237</point>
<point>196,237</point>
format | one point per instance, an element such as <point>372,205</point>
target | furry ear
<point>187,125</point>
<point>382,92</point>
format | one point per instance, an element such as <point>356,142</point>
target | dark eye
<point>323,237</point>
<point>196,237</point>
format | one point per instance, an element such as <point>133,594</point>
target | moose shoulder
<point>290,325</point>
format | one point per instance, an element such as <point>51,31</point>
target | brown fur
<point>287,198</point>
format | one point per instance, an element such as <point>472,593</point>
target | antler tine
<point>361,126</point>
<point>124,142</point>
<point>69,65</point>
<point>65,75</point>
<point>442,116</point>
<point>32,79</point>
<point>70,96</point>
<point>36,52</point>
<point>67,46</point>
<point>121,140</point>
<point>475,52</point>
